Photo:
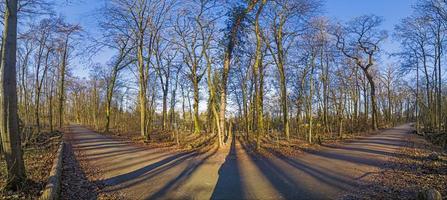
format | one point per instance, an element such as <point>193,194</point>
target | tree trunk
<point>183,107</point>
<point>223,93</point>
<point>110,88</point>
<point>212,96</point>
<point>196,106</point>
<point>62,84</point>
<point>417,96</point>
<point>373,101</point>
<point>439,96</point>
<point>257,68</point>
<point>260,101</point>
<point>365,100</point>
<point>191,126</point>
<point>388,89</point>
<point>311,84</point>
<point>50,106</point>
<point>173,102</point>
<point>245,108</point>
<point>279,61</point>
<point>142,91</point>
<point>165,108</point>
<point>427,87</point>
<point>9,124</point>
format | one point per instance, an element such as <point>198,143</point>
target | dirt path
<point>232,173</point>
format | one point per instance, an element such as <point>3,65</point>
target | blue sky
<point>393,11</point>
<point>83,12</point>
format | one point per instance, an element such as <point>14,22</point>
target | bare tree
<point>164,57</point>
<point>42,35</point>
<point>286,12</point>
<point>360,41</point>
<point>66,31</point>
<point>118,64</point>
<point>144,19</point>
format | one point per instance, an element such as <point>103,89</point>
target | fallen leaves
<point>404,177</point>
<point>38,160</point>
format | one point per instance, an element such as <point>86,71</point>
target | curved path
<point>137,172</point>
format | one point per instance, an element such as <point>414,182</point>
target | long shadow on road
<point>297,179</point>
<point>314,175</point>
<point>158,174</point>
<point>176,182</point>
<point>169,174</point>
<point>229,184</point>
<point>147,171</point>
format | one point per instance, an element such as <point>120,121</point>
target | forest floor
<point>38,156</point>
<point>105,167</point>
<point>421,166</point>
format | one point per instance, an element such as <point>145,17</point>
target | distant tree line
<point>262,66</point>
